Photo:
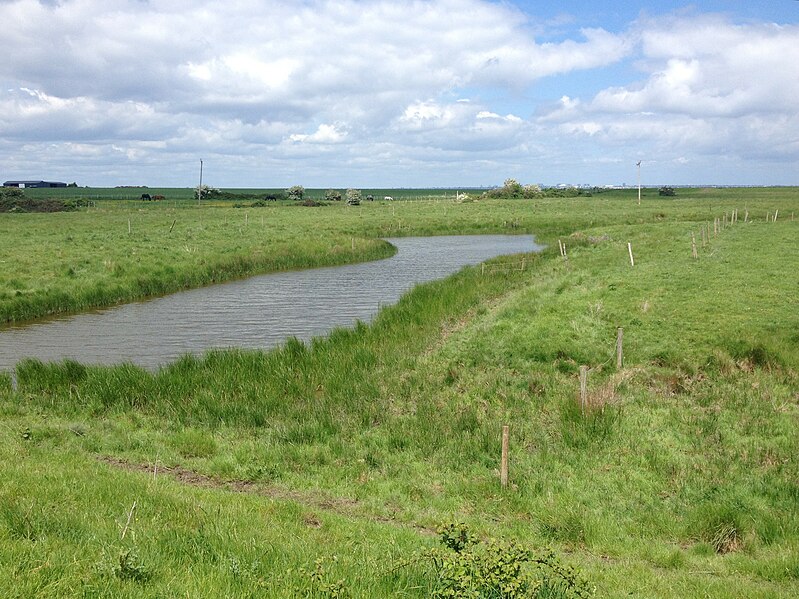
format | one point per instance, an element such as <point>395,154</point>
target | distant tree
<point>666,191</point>
<point>531,191</point>
<point>296,192</point>
<point>333,195</point>
<point>511,188</point>
<point>207,192</point>
<point>73,184</point>
<point>354,197</point>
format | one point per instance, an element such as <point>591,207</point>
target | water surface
<point>259,312</point>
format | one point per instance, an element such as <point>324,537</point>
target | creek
<point>259,312</point>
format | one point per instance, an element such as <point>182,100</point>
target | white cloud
<point>711,87</point>
<point>325,134</point>
<point>255,82</point>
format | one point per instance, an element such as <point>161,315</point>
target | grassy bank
<point>680,480</point>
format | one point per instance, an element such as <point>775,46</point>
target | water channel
<point>259,312</point>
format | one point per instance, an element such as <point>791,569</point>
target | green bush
<point>296,192</point>
<point>495,568</point>
<point>13,199</point>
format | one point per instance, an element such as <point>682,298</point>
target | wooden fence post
<point>630,250</point>
<point>619,348</point>
<point>583,387</point>
<point>693,246</point>
<point>503,471</point>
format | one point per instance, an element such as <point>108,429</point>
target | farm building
<point>34,184</point>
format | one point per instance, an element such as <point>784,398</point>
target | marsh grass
<point>680,480</point>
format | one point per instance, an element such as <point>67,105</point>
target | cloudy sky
<point>377,93</point>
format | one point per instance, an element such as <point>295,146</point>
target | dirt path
<point>336,505</point>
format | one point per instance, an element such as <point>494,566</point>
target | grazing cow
<point>146,196</point>
<point>388,198</point>
<point>159,197</point>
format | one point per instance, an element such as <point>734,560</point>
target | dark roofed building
<point>34,184</point>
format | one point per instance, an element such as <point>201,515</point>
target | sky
<point>376,93</point>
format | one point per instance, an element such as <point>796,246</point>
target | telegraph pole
<point>639,182</point>
<point>200,188</point>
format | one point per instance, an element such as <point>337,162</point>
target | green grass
<point>680,481</point>
<point>186,194</point>
<point>120,251</point>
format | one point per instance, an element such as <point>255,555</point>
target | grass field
<point>120,251</point>
<point>186,194</point>
<point>283,473</point>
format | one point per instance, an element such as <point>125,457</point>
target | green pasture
<point>186,194</point>
<point>117,251</point>
<point>324,469</point>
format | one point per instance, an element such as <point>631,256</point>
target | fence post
<point>630,250</point>
<point>693,246</point>
<point>503,472</point>
<point>619,347</point>
<point>583,387</point>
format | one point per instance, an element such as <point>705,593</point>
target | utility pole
<point>200,188</point>
<point>639,182</point>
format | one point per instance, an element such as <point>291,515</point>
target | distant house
<point>34,184</point>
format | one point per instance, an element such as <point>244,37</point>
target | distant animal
<point>158,197</point>
<point>146,196</point>
<point>388,198</point>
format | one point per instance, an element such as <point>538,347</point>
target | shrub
<point>13,199</point>
<point>296,192</point>
<point>333,195</point>
<point>354,197</point>
<point>495,568</point>
<point>513,189</point>
<point>208,193</point>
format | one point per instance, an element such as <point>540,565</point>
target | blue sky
<point>346,93</point>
